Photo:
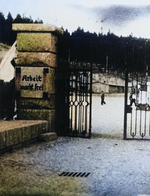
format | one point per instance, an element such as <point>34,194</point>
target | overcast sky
<point>121,17</point>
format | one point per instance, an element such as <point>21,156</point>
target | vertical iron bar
<point>83,100</point>
<point>141,111</point>
<point>132,91</point>
<point>149,123</point>
<point>86,98</point>
<point>125,105</point>
<point>76,90</point>
<point>145,124</point>
<point>140,123</point>
<point>90,91</point>
<point>71,105</point>
<point>135,123</point>
<point>83,107</point>
<point>141,90</point>
<point>131,125</point>
<point>79,94</point>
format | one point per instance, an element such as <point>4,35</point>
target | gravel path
<point>117,167</point>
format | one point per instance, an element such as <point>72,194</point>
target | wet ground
<point>117,167</point>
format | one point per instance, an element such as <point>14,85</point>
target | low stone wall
<point>108,83</point>
<point>99,87</point>
<point>16,132</point>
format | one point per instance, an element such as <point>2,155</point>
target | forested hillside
<point>111,51</point>
<point>116,52</point>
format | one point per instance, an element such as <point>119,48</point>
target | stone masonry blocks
<point>36,72</point>
<point>2,140</point>
<point>13,137</point>
<point>47,136</point>
<point>18,135</point>
<point>38,114</point>
<point>37,103</point>
<point>36,59</point>
<point>26,133</point>
<point>19,27</point>
<point>36,42</point>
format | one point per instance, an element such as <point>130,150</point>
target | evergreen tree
<point>2,28</point>
<point>18,19</point>
<point>9,36</point>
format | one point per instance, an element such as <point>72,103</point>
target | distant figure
<point>102,98</point>
<point>132,99</point>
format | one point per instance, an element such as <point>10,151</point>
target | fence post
<point>125,105</point>
<point>10,99</point>
<point>1,100</point>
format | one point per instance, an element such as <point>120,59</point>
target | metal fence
<point>7,99</point>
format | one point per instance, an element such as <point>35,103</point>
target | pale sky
<point>130,17</point>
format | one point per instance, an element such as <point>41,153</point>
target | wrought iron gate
<point>77,101</point>
<point>80,99</point>
<point>137,106</point>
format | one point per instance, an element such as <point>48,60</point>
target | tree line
<point>105,50</point>
<point>108,51</point>
<point>7,36</point>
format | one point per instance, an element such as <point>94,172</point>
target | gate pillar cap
<point>21,27</point>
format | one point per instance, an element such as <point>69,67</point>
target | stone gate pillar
<point>35,71</point>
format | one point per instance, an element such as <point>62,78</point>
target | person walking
<point>132,99</point>
<point>102,98</point>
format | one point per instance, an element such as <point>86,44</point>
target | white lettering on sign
<point>34,85</point>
